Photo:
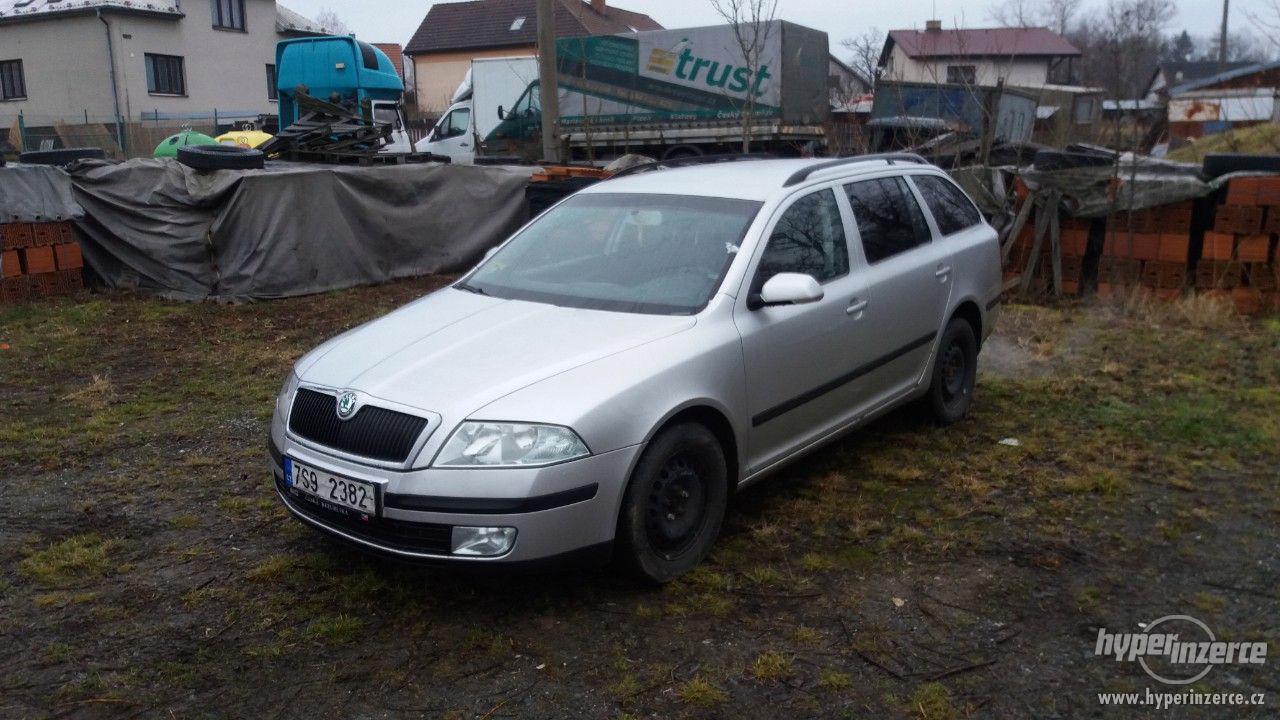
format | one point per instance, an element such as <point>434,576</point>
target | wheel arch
<point>969,311</point>
<point>715,419</point>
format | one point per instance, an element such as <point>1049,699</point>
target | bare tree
<point>752,22</point>
<point>864,52</point>
<point>1267,20</point>
<point>329,21</point>
<point>1057,15</point>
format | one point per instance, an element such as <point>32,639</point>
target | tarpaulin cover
<point>35,193</point>
<point>1132,184</point>
<point>291,229</point>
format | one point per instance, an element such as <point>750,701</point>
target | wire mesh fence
<point>121,140</point>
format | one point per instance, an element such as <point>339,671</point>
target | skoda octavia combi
<point>605,379</point>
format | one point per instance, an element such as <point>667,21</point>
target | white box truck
<point>476,108</point>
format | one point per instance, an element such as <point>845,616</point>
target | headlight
<point>286,391</point>
<point>493,444</point>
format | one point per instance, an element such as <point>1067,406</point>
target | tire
<point>1217,164</point>
<point>674,504</point>
<point>65,156</point>
<point>955,371</point>
<point>221,157</point>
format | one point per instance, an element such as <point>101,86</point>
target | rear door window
<point>889,220</point>
<point>951,208</point>
<point>808,239</point>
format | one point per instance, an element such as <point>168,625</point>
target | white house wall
<point>65,65</point>
<point>1017,72</point>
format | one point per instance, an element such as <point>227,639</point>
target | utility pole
<point>1222,39</point>
<point>548,90</point>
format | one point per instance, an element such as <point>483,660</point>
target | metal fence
<point>121,140</point>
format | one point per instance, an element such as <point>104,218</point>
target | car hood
<point>453,352</point>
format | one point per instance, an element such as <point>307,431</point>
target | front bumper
<point>556,510</point>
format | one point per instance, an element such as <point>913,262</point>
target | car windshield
<point>627,252</point>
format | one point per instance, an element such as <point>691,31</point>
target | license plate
<point>330,490</point>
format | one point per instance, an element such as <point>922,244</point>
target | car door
<point>968,244</point>
<point>908,281</point>
<point>796,355</point>
<point>452,135</point>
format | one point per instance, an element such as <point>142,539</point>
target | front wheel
<point>674,504</point>
<point>955,372</point>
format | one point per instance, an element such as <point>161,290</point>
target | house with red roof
<point>455,33</point>
<point>1027,57</point>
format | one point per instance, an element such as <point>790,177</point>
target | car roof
<point>744,179</point>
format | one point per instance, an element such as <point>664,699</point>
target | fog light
<point>483,541</point>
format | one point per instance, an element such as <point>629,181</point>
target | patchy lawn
<point>904,571</point>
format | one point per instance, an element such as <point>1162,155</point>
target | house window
<point>962,74</point>
<point>12,85</point>
<point>228,14</point>
<point>164,75</point>
<point>1083,110</point>
<point>516,24</point>
<point>273,92</point>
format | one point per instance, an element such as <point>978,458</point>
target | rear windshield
<point>627,252</point>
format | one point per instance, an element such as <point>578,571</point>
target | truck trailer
<point>664,93</point>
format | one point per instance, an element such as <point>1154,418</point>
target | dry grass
<point>1257,139</point>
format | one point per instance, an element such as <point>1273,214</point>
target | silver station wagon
<point>606,378</point>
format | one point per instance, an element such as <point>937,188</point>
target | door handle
<point>856,307</point>
<point>463,145</point>
<point>942,272</point>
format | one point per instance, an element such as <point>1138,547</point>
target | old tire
<point>64,156</point>
<point>955,372</point>
<point>674,504</point>
<point>1217,164</point>
<point>221,157</point>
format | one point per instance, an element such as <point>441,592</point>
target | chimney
<point>933,26</point>
<point>598,6</point>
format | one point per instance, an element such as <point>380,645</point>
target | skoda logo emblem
<point>346,405</point>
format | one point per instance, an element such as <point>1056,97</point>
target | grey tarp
<point>35,193</point>
<point>1142,183</point>
<point>291,229</point>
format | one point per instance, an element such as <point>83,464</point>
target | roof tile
<point>488,23</point>
<point>983,42</point>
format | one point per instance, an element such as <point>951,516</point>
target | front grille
<point>429,538</point>
<point>373,432</point>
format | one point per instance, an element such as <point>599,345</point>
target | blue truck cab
<point>344,69</point>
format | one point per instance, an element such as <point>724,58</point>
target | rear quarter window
<point>951,208</point>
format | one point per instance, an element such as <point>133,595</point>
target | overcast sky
<point>395,20</point>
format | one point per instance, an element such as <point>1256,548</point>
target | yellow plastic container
<point>244,138</point>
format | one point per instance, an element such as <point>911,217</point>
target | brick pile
<point>1150,248</point>
<point>39,260</point>
<point>1239,253</point>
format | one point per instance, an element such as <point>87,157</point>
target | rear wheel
<point>674,504</point>
<point>955,372</point>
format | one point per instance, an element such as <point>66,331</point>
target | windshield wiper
<point>470,289</point>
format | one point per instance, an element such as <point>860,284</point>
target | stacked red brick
<point>1148,248</point>
<point>1238,258</point>
<point>39,260</point>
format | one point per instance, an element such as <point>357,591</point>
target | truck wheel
<point>674,504</point>
<point>221,157</point>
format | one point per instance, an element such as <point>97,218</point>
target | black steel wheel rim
<point>677,506</point>
<point>955,373</point>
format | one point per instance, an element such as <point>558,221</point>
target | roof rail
<point>691,160</point>
<point>801,175</point>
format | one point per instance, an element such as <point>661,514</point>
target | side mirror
<point>502,114</point>
<point>787,289</point>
